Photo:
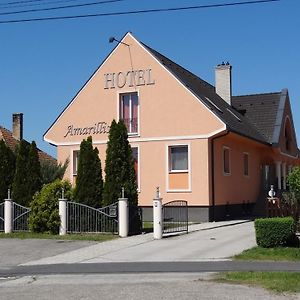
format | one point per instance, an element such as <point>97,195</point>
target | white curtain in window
<point>179,158</point>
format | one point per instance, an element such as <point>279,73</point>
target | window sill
<point>178,171</point>
<point>226,174</point>
<point>133,134</point>
<point>179,191</point>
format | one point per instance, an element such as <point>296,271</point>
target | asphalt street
<point>164,286</point>
<point>138,267</point>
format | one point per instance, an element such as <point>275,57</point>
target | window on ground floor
<point>75,161</point>
<point>226,160</point>
<point>178,158</point>
<point>246,163</point>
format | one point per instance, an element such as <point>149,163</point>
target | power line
<point>21,2</point>
<point>30,3</point>
<point>132,12</point>
<point>59,7</point>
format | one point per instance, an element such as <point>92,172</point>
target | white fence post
<point>157,216</point>
<point>123,216</point>
<point>62,207</point>
<point>8,214</point>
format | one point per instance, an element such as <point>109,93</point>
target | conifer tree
<point>7,169</point>
<point>33,171</point>
<point>119,166</point>
<point>89,182</point>
<point>20,192</point>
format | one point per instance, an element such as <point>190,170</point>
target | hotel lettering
<point>128,79</point>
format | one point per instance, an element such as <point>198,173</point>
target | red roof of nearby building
<point>12,143</point>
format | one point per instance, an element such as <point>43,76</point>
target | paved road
<point>183,286</point>
<point>19,251</point>
<point>133,268</point>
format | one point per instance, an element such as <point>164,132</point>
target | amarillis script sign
<point>98,128</point>
<point>128,78</point>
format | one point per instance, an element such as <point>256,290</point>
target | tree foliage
<point>7,169</point>
<point>27,178</point>
<point>44,215</point>
<point>51,171</point>
<point>293,181</point>
<point>292,196</point>
<point>20,183</point>
<point>34,171</point>
<point>89,182</point>
<point>119,166</point>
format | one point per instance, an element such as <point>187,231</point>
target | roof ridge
<point>258,94</point>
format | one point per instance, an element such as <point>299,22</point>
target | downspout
<point>213,172</point>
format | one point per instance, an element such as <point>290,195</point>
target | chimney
<point>18,126</point>
<point>223,81</point>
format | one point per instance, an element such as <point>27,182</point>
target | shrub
<point>274,232</point>
<point>89,183</point>
<point>51,170</point>
<point>7,169</point>
<point>119,166</point>
<point>44,215</point>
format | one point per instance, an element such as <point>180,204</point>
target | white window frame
<point>248,159</point>
<point>170,159</point>
<point>168,171</point>
<point>229,161</point>
<point>130,134</point>
<point>139,166</point>
<point>74,161</point>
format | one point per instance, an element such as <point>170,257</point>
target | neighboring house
<point>193,140</point>
<point>12,138</point>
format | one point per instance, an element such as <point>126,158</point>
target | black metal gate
<point>2,216</point>
<point>82,218</point>
<point>175,216</point>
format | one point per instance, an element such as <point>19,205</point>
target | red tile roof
<point>12,143</point>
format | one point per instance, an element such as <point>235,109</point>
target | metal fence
<point>175,216</point>
<point>20,217</point>
<point>2,216</point>
<point>82,218</point>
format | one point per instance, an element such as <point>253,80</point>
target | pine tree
<point>89,183</point>
<point>50,170</point>
<point>119,166</point>
<point>7,169</point>
<point>20,183</point>
<point>33,171</point>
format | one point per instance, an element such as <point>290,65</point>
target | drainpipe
<point>213,172</point>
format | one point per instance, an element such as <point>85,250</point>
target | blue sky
<point>44,64</point>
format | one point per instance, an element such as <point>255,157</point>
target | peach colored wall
<point>236,188</point>
<point>153,169</point>
<point>178,181</point>
<point>167,112</point>
<point>166,108</point>
<point>154,172</point>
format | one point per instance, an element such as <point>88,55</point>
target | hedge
<point>274,232</point>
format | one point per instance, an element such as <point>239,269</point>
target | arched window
<point>288,134</point>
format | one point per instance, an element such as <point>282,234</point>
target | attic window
<point>214,105</point>
<point>234,115</point>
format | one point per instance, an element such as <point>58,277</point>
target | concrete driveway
<point>212,241</point>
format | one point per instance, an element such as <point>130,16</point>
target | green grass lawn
<point>279,282</point>
<point>80,237</point>
<point>276,281</point>
<point>273,254</point>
